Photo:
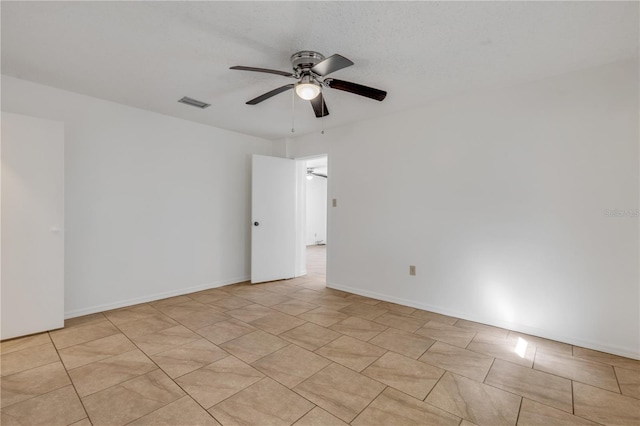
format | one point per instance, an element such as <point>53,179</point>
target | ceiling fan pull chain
<point>322,118</point>
<point>293,104</point>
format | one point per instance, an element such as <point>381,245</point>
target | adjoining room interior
<point>316,216</point>
<point>480,258</point>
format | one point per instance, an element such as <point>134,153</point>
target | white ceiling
<point>150,54</point>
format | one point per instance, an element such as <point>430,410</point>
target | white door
<point>273,212</point>
<point>32,220</point>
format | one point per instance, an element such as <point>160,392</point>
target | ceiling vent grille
<point>194,102</point>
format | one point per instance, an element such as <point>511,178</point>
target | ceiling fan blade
<point>267,95</point>
<point>331,64</point>
<point>358,89</point>
<point>319,106</point>
<point>241,68</point>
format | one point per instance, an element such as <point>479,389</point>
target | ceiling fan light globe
<point>307,91</point>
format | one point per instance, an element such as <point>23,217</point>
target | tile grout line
<point>307,412</point>
<point>487,373</point>
<point>70,380</point>
<point>573,406</point>
<point>302,396</point>
<point>426,350</point>
<point>519,409</point>
<point>615,374</point>
<point>472,339</point>
<point>573,400</point>
<point>370,402</point>
<point>435,385</point>
<point>440,408</point>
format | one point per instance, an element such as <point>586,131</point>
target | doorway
<point>279,235</point>
<point>316,182</point>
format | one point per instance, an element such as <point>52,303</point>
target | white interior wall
<point>316,202</point>
<point>501,200</point>
<point>155,206</point>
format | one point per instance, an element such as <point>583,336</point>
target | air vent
<point>194,103</point>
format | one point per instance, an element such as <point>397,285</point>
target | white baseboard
<point>150,298</point>
<point>546,334</point>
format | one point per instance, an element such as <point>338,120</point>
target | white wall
<point>316,219</point>
<point>499,199</point>
<point>155,206</point>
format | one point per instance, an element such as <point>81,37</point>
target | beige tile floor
<point>296,352</point>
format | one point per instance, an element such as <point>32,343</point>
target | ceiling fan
<point>311,173</point>
<point>310,69</point>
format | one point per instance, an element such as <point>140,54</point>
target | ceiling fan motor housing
<point>304,60</point>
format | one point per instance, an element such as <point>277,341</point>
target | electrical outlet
<point>412,269</point>
<point>334,202</point>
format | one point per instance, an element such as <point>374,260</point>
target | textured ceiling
<point>150,54</point>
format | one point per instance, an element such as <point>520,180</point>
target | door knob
<point>256,223</point>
